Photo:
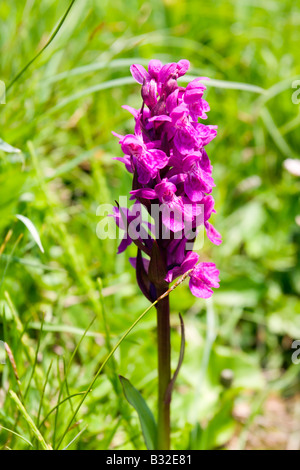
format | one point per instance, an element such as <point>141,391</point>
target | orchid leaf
<point>148,424</point>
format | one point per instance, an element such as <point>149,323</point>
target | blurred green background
<point>60,114</point>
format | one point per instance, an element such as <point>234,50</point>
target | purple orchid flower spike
<point>172,172</point>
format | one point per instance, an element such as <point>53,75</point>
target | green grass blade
<point>4,147</point>
<point>94,67</point>
<point>275,90</point>
<point>25,262</point>
<point>35,359</point>
<point>72,330</point>
<point>64,381</point>
<point>227,85</point>
<point>275,133</point>
<point>76,437</point>
<point>70,165</point>
<point>93,89</point>
<point>19,75</point>
<point>58,405</point>
<point>35,235</point>
<point>16,434</point>
<point>28,419</point>
<point>43,393</point>
<point>130,81</point>
<point>8,260</point>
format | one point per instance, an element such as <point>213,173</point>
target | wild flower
<point>170,167</point>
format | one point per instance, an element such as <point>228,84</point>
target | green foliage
<point>148,424</point>
<point>60,113</point>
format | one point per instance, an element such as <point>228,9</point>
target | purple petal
<point>119,218</point>
<point>144,193</point>
<point>203,277</point>
<point>210,274</point>
<point>124,244</point>
<point>206,133</point>
<point>185,139</point>
<point>154,68</point>
<point>139,73</point>
<point>131,144</point>
<point>120,137</point>
<point>146,262</point>
<point>173,215</point>
<point>161,117</point>
<point>214,236</point>
<point>196,83</point>
<point>189,262</point>
<point>205,162</point>
<point>209,203</point>
<point>200,290</point>
<point>166,71</point>
<point>172,101</point>
<point>165,189</point>
<point>176,252</point>
<point>179,112</point>
<point>159,158</point>
<point>127,161</point>
<point>177,178</point>
<point>148,163</point>
<point>182,67</point>
<point>133,111</point>
<point>193,189</point>
<point>144,172</point>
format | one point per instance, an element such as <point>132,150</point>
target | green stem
<point>164,371</point>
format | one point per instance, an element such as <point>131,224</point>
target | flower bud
<point>149,91</point>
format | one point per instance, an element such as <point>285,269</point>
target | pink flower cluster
<point>167,157</point>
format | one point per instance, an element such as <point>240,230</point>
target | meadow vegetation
<point>64,307</point>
